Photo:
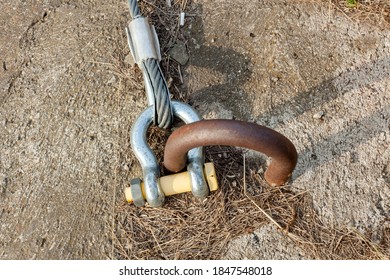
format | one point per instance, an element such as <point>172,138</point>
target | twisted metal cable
<point>162,101</point>
<point>160,89</point>
<point>134,9</point>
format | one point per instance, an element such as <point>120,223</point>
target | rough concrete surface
<point>67,104</point>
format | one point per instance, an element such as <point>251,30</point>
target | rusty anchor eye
<point>233,133</point>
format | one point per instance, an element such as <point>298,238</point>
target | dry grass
<point>186,228</point>
<point>375,12</point>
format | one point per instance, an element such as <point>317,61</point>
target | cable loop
<point>145,49</point>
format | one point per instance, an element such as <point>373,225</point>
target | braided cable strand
<point>162,101</point>
<point>134,9</point>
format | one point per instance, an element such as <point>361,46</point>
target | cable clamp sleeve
<point>143,41</point>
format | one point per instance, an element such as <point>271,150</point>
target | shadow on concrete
<point>235,67</point>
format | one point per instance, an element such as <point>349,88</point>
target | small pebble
<point>179,53</point>
<point>318,115</point>
<point>112,80</point>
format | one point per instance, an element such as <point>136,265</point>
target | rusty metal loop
<point>233,133</point>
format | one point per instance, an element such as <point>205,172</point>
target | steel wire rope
<point>162,101</point>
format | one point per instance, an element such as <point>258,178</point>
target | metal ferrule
<point>148,161</point>
<point>142,39</point>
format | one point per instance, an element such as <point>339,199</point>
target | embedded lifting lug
<point>233,133</point>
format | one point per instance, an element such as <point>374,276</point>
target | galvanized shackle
<point>233,133</point>
<point>151,171</point>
